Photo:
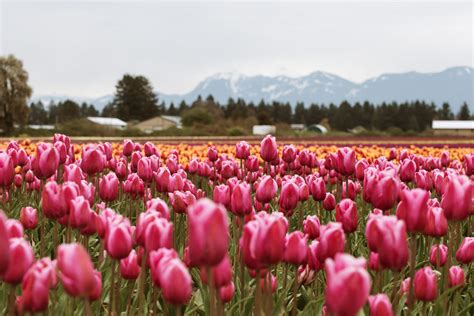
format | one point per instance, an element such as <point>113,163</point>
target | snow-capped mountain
<point>454,85</point>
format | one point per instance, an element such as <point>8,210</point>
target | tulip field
<point>271,228</point>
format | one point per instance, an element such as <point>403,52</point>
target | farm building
<point>452,127</point>
<point>108,122</point>
<point>159,123</point>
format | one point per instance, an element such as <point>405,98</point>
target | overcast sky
<point>83,48</point>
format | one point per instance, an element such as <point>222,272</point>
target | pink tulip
<point>241,199</point>
<point>438,254</point>
<point>347,284</point>
<point>360,167</point>
<point>266,190</point>
<point>329,202</point>
<point>289,153</point>
<point>296,248</point>
<point>108,187</point>
<point>374,261</point>
<point>96,292</point>
<point>14,228</point>
<point>289,196</point>
<point>318,189</point>
<point>331,241</point>
<point>212,153</point>
<point>221,194</point>
<point>311,226</point>
<point>346,213</point>
<point>76,270</point>
<point>457,198</point>
<point>426,284</point>
<point>413,209</point>
<point>345,161</point>
<point>226,292</point>
<point>436,222</point>
<point>379,305</point>
<point>37,282</point>
<point>268,149</point>
<point>29,217</point>
<point>208,237</point>
<point>162,179</point>
<point>407,170</point>
<point>93,160</point>
<point>465,252</point>
<point>384,193</point>
<point>221,273</point>
<point>176,282</point>
<point>7,170</point>
<point>4,244</point>
<point>119,241</point>
<point>46,162</point>
<point>158,234</point>
<point>79,214</point>
<point>129,268</point>
<point>456,276</point>
<point>128,147</point>
<point>242,150</point>
<point>21,258</point>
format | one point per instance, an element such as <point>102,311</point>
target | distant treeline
<point>407,116</point>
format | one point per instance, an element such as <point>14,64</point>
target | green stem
<point>410,300</point>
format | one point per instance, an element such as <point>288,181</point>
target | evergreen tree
<point>464,113</point>
<point>445,112</point>
<point>172,110</point>
<point>37,114</point>
<point>300,113</point>
<point>134,99</point>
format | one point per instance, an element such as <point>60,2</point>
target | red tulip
<point>347,284</point>
<point>438,254</point>
<point>346,213</point>
<point>268,149</point>
<point>226,292</point>
<point>436,222</point>
<point>311,226</point>
<point>108,187</point>
<point>456,276</point>
<point>296,248</point>
<point>425,284</point>
<point>266,190</point>
<point>76,270</point>
<point>465,252</point>
<point>21,258</point>
<point>208,237</point>
<point>457,198</point>
<point>176,282</point>
<point>380,305</point>
<point>241,199</point>
<point>331,241</point>
<point>29,217</point>
<point>413,209</point>
<point>129,268</point>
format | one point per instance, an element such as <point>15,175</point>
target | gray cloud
<point>83,48</point>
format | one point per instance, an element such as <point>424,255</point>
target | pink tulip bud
<point>465,252</point>
<point>7,170</point>
<point>311,226</point>
<point>423,180</point>
<point>37,282</point>
<point>76,270</point>
<point>128,147</point>
<point>207,233</point>
<point>4,244</point>
<point>96,292</point>
<point>21,258</point>
<point>158,234</point>
<point>268,149</point>
<point>212,153</point>
<point>162,179</point>
<point>413,209</point>
<point>436,222</point>
<point>14,228</point>
<point>159,206</point>
<point>347,284</point>
<point>407,170</point>
<point>119,240</point>
<point>468,164</point>
<point>242,150</point>
<point>289,196</point>
<point>129,268</point>
<point>93,160</point>
<point>296,248</point>
<point>345,161</point>
<point>221,273</point>
<point>29,217</point>
<point>384,193</point>
<point>457,198</point>
<point>329,202</point>
<point>176,282</point>
<point>346,213</point>
<point>456,276</point>
<point>331,241</point>
<point>221,194</point>
<point>46,162</point>
<point>266,190</point>
<point>426,284</point>
<point>79,212</point>
<point>318,189</point>
<point>289,153</point>
<point>360,167</point>
<point>380,305</point>
<point>438,254</point>
<point>226,292</point>
<point>108,187</point>
<point>241,199</point>
<point>374,261</point>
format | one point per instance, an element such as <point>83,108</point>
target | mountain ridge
<point>454,85</point>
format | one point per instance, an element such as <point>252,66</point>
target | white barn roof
<point>452,124</point>
<point>108,121</point>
